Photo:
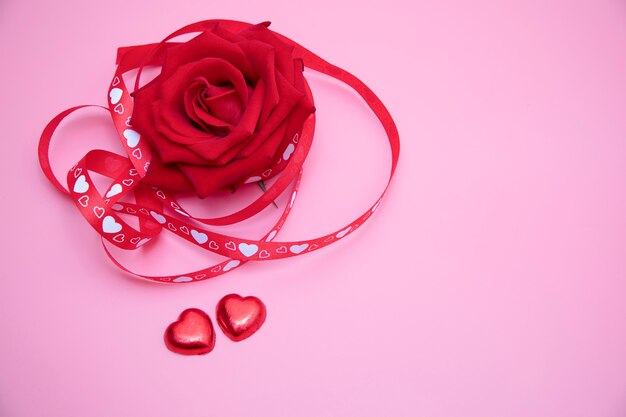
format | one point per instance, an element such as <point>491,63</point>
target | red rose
<point>224,109</point>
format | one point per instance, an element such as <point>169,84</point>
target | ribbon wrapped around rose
<point>230,106</point>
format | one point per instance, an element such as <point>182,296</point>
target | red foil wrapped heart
<point>191,334</point>
<point>240,317</point>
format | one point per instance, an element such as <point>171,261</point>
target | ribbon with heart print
<point>157,208</point>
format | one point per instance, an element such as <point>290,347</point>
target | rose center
<point>214,109</point>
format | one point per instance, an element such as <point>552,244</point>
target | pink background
<point>490,283</point>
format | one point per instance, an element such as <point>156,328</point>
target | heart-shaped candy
<point>240,317</point>
<point>191,334</point>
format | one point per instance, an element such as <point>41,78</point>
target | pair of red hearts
<point>238,317</point>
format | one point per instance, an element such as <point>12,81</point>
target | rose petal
<point>261,57</point>
<point>227,35</point>
<point>172,92</point>
<point>289,97</point>
<point>199,112</point>
<point>283,53</point>
<point>225,149</point>
<point>206,44</point>
<point>169,151</point>
<point>169,177</point>
<point>207,180</point>
<point>225,106</point>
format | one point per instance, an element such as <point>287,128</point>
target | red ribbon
<point>103,211</point>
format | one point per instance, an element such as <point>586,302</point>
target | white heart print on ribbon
<point>143,242</point>
<point>181,212</point>
<point>271,236</point>
<point>81,185</point>
<point>115,190</point>
<point>157,217</point>
<point>115,95</point>
<point>109,225</point>
<point>298,248</point>
<point>288,151</point>
<point>231,264</point>
<point>199,237</point>
<point>98,211</point>
<point>84,200</point>
<point>343,232</point>
<point>248,249</point>
<point>132,137</point>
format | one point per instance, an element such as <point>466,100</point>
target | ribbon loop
<point>153,206</point>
